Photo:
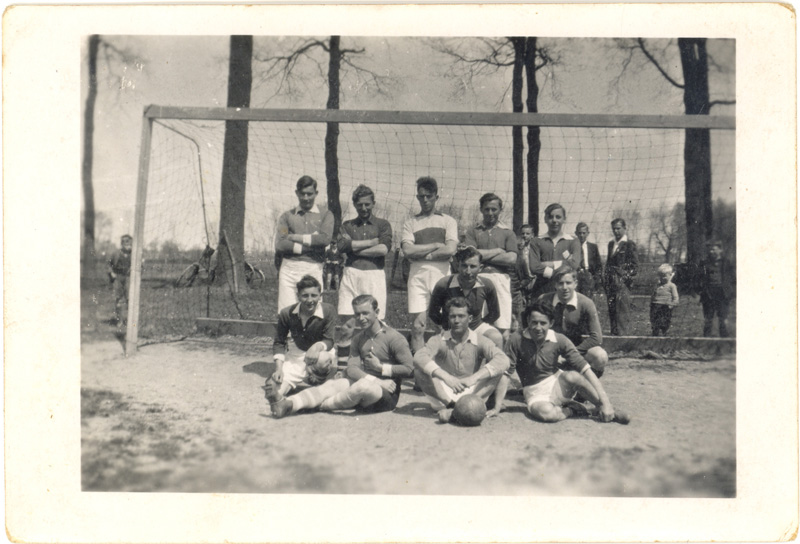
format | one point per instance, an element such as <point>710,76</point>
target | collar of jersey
<point>472,336</point>
<point>317,312</point>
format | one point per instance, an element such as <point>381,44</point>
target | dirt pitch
<point>191,417</point>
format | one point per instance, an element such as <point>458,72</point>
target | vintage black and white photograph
<point>409,265</point>
<point>353,262</point>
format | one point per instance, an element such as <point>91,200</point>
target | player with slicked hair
<point>458,362</point>
<point>380,359</point>
<point>552,250</point>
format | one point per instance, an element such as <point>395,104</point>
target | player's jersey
<point>430,229</point>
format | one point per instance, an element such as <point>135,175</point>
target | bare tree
<point>668,230</point>
<point>113,57</point>
<point>283,67</point>
<point>697,145</point>
<point>234,161</point>
<point>481,57</point>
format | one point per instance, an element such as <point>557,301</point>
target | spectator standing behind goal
<point>551,251</point>
<point>364,243</point>
<point>590,268</point>
<point>622,265</point>
<point>717,288</point>
<point>664,299</point>
<point>428,241</point>
<point>119,271</point>
<point>332,268</point>
<point>303,234</point>
<point>526,278</point>
<point>498,248</point>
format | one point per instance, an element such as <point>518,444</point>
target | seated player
<point>309,359</point>
<point>548,390</point>
<point>575,317</point>
<point>479,293</point>
<point>458,362</point>
<point>379,361</point>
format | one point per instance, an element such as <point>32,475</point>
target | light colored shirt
<point>461,359</point>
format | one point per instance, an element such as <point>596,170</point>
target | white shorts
<point>291,272</point>
<point>294,365</point>
<point>362,282</point>
<point>502,284</point>
<point>547,390</point>
<point>422,278</point>
<point>451,395</point>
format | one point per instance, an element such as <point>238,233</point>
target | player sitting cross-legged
<point>547,389</point>
<point>458,362</point>
<point>309,358</point>
<point>380,359</point>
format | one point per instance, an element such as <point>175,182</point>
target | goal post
<point>593,164</point>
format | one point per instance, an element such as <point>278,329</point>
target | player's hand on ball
<point>606,413</point>
<point>312,355</point>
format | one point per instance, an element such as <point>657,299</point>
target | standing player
<point>303,234</point>
<point>498,248</point>
<point>364,241</point>
<point>429,240</point>
<point>622,265</point>
<point>590,270</point>
<point>380,360</point>
<point>552,250</point>
<point>119,271</point>
<point>534,353</point>
<point>458,362</point>
<point>309,358</point>
<point>479,293</point>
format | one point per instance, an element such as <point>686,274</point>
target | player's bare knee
<point>545,412</point>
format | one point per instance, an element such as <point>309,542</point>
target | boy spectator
<point>309,358</point>
<point>364,243</point>
<point>498,248</point>
<point>622,265</point>
<point>332,269</point>
<point>575,316</point>
<point>550,252</point>
<point>590,271</point>
<point>457,362</point>
<point>303,234</point>
<point>526,278</point>
<point>479,293</point>
<point>380,360</point>
<point>664,299</point>
<point>534,352</point>
<point>428,241</point>
<point>717,288</point>
<point>119,271</point>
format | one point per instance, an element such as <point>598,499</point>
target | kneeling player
<point>548,390</point>
<point>309,359</point>
<point>380,359</point>
<point>458,362</point>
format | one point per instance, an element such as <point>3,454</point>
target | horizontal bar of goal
<point>443,118</point>
<point>216,327</point>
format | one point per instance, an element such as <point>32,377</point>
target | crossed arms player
<point>380,359</point>
<point>309,358</point>
<point>458,362</point>
<point>534,353</point>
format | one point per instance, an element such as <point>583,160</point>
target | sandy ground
<point>191,417</point>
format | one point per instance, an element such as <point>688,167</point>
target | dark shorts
<point>386,403</point>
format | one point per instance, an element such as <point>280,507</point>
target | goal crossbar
<point>443,118</point>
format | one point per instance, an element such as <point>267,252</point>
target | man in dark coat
<point>621,267</point>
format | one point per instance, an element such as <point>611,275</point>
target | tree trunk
<point>332,135</point>
<point>234,160</point>
<point>534,136</point>
<point>516,133</point>
<point>88,158</point>
<point>697,148</point>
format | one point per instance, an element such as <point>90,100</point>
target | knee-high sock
<point>362,392</point>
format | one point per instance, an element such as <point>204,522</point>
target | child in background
<point>717,288</point>
<point>119,270</point>
<point>664,299</point>
<point>332,269</point>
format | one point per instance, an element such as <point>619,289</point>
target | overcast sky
<point>192,71</point>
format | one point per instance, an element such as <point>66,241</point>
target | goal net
<point>596,172</point>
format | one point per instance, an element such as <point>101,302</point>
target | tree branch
<point>653,60</point>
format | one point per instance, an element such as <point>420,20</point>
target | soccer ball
<point>469,411</point>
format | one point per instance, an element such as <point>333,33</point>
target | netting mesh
<point>596,173</point>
